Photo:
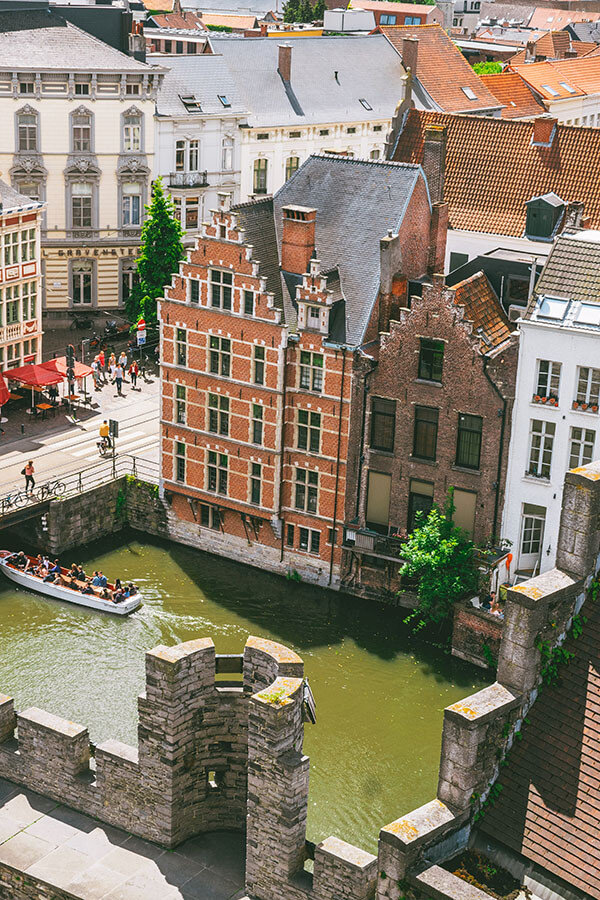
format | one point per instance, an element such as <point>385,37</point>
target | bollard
<point>22,428</point>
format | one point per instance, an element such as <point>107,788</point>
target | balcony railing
<point>188,179</point>
<point>364,540</point>
<point>11,332</point>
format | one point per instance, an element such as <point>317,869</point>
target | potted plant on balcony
<point>536,398</point>
<point>575,404</point>
<point>584,406</point>
<point>595,408</point>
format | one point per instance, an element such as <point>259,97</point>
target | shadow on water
<point>301,615</point>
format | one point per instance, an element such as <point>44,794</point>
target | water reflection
<point>375,749</point>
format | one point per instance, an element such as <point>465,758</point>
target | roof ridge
<point>256,202</point>
<point>365,162</point>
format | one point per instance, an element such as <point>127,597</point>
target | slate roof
<point>11,200</point>
<point>582,75</point>
<point>586,31</point>
<point>481,150</point>
<point>367,66</point>
<point>549,808</point>
<point>506,11</point>
<point>442,69</point>
<point>206,77</point>
<point>484,310</point>
<point>509,89</point>
<point>357,201</point>
<point>40,39</point>
<point>572,269</point>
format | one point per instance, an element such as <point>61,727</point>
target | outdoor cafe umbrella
<point>59,364</point>
<point>34,375</point>
<point>4,395</point>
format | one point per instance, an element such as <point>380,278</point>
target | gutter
<point>500,448</point>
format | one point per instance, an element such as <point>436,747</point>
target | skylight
<point>550,90</point>
<point>567,87</point>
<point>190,102</point>
<point>224,100</point>
<point>365,103</point>
<point>553,308</point>
<point>469,93</point>
<point>588,314</point>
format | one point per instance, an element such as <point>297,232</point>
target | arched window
<point>227,154</point>
<point>260,176</point>
<point>81,131</point>
<point>132,131</point>
<point>375,154</point>
<point>291,166</point>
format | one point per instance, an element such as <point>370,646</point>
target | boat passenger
<point>132,589</point>
<point>86,589</point>
<point>50,577</point>
<point>118,596</point>
<point>73,570</point>
<point>96,579</point>
<point>103,580</point>
<point>55,568</point>
<point>106,594</point>
<point>118,585</point>
<point>80,576</point>
<point>21,560</point>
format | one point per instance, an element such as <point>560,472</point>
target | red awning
<point>60,365</point>
<point>4,392</point>
<point>36,376</point>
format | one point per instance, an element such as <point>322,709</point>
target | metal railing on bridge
<point>68,485</point>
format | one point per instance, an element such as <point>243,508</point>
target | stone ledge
<point>442,885</point>
<point>51,722</point>
<point>280,693</point>
<point>482,706</point>
<point>420,825</point>
<point>348,853</point>
<point>118,751</point>
<point>180,651</point>
<point>540,588</point>
<point>279,652</point>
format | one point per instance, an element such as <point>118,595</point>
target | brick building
<point>261,337</point>
<point>436,397</point>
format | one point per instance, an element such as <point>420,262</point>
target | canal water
<point>375,748</point>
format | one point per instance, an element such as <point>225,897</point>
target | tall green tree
<point>290,11</point>
<point>319,10</point>
<point>160,252</point>
<point>440,556</point>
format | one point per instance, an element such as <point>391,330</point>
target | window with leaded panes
<point>306,490</point>
<point>259,364</point>
<point>468,444</point>
<point>309,540</point>
<point>179,461</point>
<point>216,472</point>
<point>248,303</point>
<point>431,359</point>
<point>581,447</point>
<point>257,423</point>
<point>588,385</point>
<point>311,371</point>
<point>255,483</point>
<point>383,424</point>
<point>218,414</point>
<point>541,442</point>
<point>425,434</point>
<point>180,404</point>
<point>548,378</point>
<point>220,288</point>
<point>309,430</point>
<point>181,346</point>
<point>220,355</point>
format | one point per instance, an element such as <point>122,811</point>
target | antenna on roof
<point>335,75</point>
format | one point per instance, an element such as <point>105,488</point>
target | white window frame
<point>541,444</point>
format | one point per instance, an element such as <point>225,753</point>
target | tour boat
<point>62,592</point>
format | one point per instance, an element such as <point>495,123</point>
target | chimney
<point>434,160</point>
<point>570,54</point>
<point>574,216</point>
<point>263,29</point>
<point>298,241</point>
<point>137,44</point>
<point>410,54</point>
<point>390,261</point>
<point>544,130</point>
<point>285,62</point>
<point>438,232</point>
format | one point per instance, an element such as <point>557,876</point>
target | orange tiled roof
<point>492,169</point>
<point>484,310</point>
<point>549,807</point>
<point>556,19</point>
<point>442,69</point>
<point>392,6</point>
<point>594,52</point>
<point>181,21</point>
<point>518,98</point>
<point>162,5</point>
<point>549,78</point>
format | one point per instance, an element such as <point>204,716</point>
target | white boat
<point>33,582</point>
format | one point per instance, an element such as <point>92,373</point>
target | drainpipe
<point>281,449</point>
<point>337,467</point>
<point>500,447</point>
<point>362,443</point>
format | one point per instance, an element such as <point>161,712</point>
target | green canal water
<point>375,748</point>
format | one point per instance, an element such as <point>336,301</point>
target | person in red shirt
<point>102,365</point>
<point>134,372</point>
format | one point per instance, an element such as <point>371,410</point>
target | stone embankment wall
<point>476,635</point>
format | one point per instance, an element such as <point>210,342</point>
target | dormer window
<point>543,215</point>
<point>313,317</point>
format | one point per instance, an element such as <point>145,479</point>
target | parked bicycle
<point>51,489</point>
<point>14,501</point>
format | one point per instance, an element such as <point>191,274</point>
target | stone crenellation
<point>227,753</point>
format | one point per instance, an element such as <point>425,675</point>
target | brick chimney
<point>285,61</point>
<point>298,241</point>
<point>438,233</point>
<point>544,130</point>
<point>410,53</point>
<point>434,160</point>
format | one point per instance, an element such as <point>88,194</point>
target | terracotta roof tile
<point>549,78</point>
<point>484,310</point>
<point>518,98</point>
<point>481,150</point>
<point>185,21</point>
<point>231,21</point>
<point>549,808</point>
<point>545,19</point>
<point>442,69</point>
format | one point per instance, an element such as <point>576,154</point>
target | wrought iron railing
<point>68,485</point>
<point>188,179</point>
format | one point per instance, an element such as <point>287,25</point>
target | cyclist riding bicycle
<point>105,440</point>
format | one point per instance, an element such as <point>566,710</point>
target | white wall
<point>572,348</point>
<point>476,243</point>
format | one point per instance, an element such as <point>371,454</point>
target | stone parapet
<point>476,635</point>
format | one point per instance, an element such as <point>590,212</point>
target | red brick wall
<point>278,454</point>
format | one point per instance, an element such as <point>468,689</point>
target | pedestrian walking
<point>112,365</point>
<point>119,379</point>
<point>29,472</point>
<point>123,363</point>
<point>102,365</point>
<point>133,374</point>
<point>96,373</point>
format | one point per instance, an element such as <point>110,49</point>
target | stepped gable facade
<point>261,332</point>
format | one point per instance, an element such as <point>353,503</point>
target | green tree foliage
<point>487,68</point>
<point>303,11</point>
<point>440,556</point>
<point>160,252</point>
